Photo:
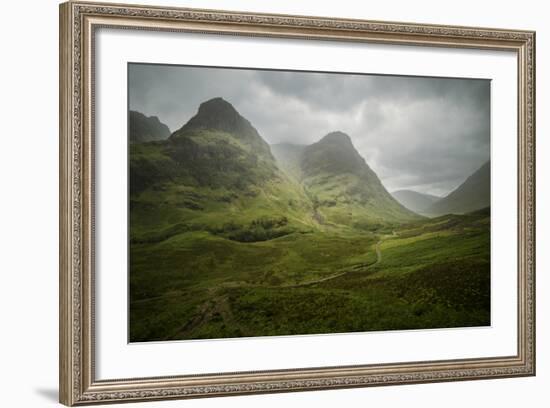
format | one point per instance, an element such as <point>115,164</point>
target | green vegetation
<point>223,243</point>
<point>340,183</point>
<point>146,129</point>
<point>197,285</point>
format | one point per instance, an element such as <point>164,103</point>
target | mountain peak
<point>337,137</point>
<point>146,128</point>
<point>335,174</point>
<point>217,114</point>
<point>217,106</point>
<point>334,153</point>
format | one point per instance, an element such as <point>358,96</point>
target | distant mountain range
<point>146,128</point>
<point>473,194</point>
<point>415,201</point>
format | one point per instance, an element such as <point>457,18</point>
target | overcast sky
<point>424,134</point>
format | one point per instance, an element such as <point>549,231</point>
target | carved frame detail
<point>78,21</point>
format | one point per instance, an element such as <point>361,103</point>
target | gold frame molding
<point>78,22</point>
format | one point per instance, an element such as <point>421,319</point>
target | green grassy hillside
<point>223,243</point>
<point>207,179</point>
<point>344,189</point>
<point>223,199</point>
<point>146,129</point>
<point>428,274</point>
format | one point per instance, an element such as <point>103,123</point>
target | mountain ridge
<point>218,114</point>
<point>144,128</point>
<point>473,194</point>
<point>218,161</point>
<point>217,174</point>
<point>344,187</point>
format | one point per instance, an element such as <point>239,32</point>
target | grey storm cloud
<point>419,133</point>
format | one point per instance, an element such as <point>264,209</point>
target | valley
<point>231,237</point>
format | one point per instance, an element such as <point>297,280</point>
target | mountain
<point>146,128</point>
<point>473,194</point>
<point>415,201</point>
<point>219,115</point>
<point>344,189</point>
<point>230,238</point>
<point>220,148</point>
<point>217,174</point>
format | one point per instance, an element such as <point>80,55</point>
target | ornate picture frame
<point>79,22</point>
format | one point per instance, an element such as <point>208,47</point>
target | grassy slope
<point>341,186</point>
<point>341,200</point>
<point>236,197</point>
<point>344,189</point>
<point>432,274</point>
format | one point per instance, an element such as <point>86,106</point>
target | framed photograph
<point>256,203</point>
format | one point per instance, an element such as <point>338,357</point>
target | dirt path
<point>353,269</point>
<point>219,304</point>
<point>378,252</point>
<point>318,217</point>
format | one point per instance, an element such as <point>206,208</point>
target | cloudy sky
<point>424,134</point>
